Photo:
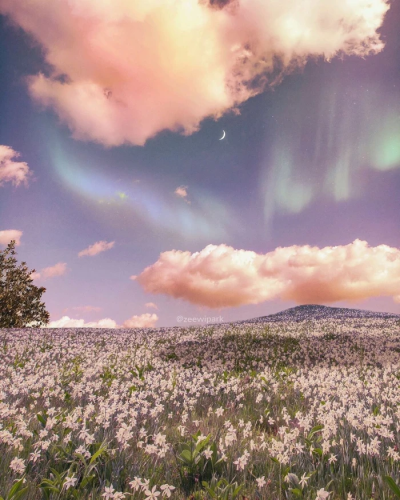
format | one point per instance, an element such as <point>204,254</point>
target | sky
<point>166,162</point>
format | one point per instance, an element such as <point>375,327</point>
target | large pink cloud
<point>123,70</point>
<point>10,234</point>
<point>13,171</point>
<point>220,276</point>
<point>99,246</point>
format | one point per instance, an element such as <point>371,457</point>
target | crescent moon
<point>223,135</point>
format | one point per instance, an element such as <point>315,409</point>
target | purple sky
<point>117,115</point>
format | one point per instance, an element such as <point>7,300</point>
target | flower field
<point>297,407</point>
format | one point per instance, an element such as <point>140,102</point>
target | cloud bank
<point>123,71</point>
<point>10,234</point>
<point>66,322</point>
<point>220,276</point>
<point>99,246</point>
<point>16,172</point>
<point>142,321</point>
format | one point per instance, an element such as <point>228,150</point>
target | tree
<point>20,304</point>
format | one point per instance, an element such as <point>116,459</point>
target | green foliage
<point>19,300</point>
<point>88,473</point>
<point>17,491</point>
<point>392,485</point>
<point>222,490</point>
<point>192,464</point>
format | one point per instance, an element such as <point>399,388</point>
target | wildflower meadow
<point>299,407</point>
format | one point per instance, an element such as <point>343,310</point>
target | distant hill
<point>315,312</point>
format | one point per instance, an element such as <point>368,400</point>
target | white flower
<point>207,453</point>
<point>322,494</point>
<point>219,411</point>
<point>332,459</point>
<point>261,481</point>
<point>108,492</point>
<point>166,489</point>
<point>145,483</point>
<point>241,461</point>
<point>17,465</point>
<point>83,451</point>
<point>153,494</point>
<point>34,456</point>
<point>303,480</point>
<point>69,482</point>
<point>118,495</point>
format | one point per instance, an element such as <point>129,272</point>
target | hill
<point>311,312</point>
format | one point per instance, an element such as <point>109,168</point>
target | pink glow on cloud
<point>99,246</point>
<point>13,171</point>
<point>220,276</point>
<point>132,69</point>
<point>10,234</point>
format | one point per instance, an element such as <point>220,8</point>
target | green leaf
<point>200,446</point>
<point>392,485</point>
<point>314,430</point>
<point>41,419</point>
<point>237,491</point>
<point>297,492</point>
<point>186,457</point>
<point>16,487</point>
<point>96,455</point>
<point>86,480</point>
<point>19,493</point>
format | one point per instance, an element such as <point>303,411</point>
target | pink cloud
<point>35,276</point>
<point>99,246</point>
<point>151,305</point>
<point>66,322</point>
<point>220,276</point>
<point>132,69</point>
<point>181,192</point>
<point>13,171</point>
<point>53,271</point>
<point>143,321</point>
<point>10,234</point>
